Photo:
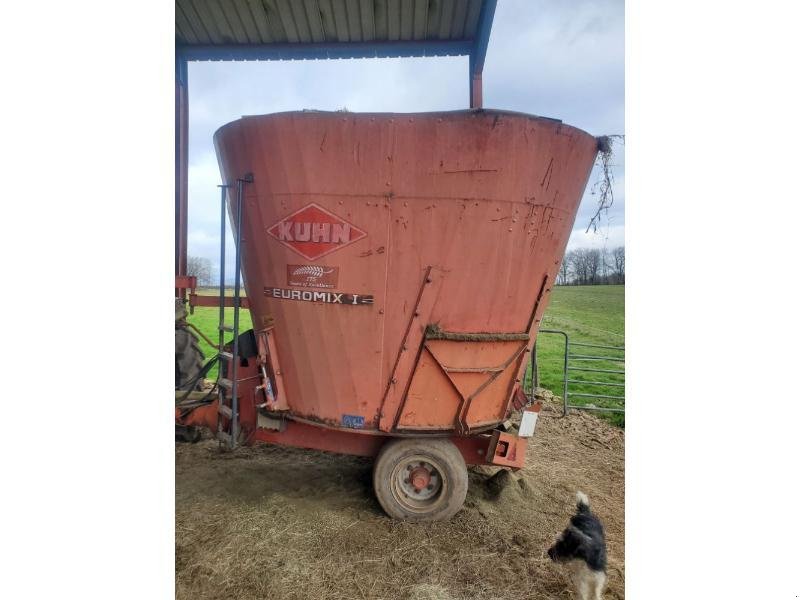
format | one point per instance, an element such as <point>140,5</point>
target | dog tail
<point>583,502</point>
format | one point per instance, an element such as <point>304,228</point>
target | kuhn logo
<point>313,232</point>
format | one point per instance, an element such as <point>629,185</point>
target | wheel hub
<point>420,478</point>
<point>418,483</point>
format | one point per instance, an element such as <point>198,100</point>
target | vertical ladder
<point>227,386</point>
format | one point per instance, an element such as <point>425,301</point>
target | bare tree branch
<point>604,187</point>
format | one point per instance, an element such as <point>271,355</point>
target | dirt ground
<point>270,522</point>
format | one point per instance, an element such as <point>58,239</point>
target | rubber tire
<point>442,451</point>
<point>187,434</point>
<point>188,359</point>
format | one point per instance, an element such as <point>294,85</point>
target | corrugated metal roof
<point>286,29</point>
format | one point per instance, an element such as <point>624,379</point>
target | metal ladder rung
<point>226,355</point>
<point>225,383</point>
<point>225,411</point>
<point>226,328</point>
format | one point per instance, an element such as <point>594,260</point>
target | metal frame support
<point>316,51</point>
<point>232,380</point>
<point>181,167</point>
<point>475,89</point>
<point>236,305</point>
<point>223,206</point>
<point>478,54</point>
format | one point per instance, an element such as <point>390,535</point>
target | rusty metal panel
<point>186,282</point>
<point>409,348</point>
<point>507,450</point>
<point>209,301</point>
<point>433,400</point>
<point>461,384</point>
<point>483,201</point>
<point>482,372</point>
<point>277,373</point>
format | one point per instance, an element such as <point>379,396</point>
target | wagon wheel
<point>188,363</point>
<point>188,360</point>
<point>420,479</point>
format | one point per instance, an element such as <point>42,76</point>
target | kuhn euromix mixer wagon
<point>396,268</point>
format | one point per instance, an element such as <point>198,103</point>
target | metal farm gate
<point>577,360</point>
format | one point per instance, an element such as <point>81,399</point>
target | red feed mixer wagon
<point>396,266</point>
<point>396,269</point>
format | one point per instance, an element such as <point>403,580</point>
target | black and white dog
<point>582,547</point>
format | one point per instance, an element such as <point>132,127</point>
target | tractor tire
<point>420,479</point>
<point>187,434</point>
<point>188,359</point>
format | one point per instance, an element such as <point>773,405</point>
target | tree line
<point>201,268</point>
<point>592,266</point>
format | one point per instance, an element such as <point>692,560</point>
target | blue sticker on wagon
<point>353,421</point>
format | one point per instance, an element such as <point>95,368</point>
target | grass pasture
<point>588,314</point>
<point>207,320</point>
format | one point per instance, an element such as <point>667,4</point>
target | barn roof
<point>313,29</point>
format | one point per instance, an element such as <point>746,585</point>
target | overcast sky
<point>546,57</point>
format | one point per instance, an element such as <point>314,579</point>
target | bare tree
<point>619,263</point>
<point>563,272</point>
<point>199,267</point>
<point>593,263</point>
<point>604,264</point>
<point>580,265</point>
<point>592,266</point>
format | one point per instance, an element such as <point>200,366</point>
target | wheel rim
<point>418,483</point>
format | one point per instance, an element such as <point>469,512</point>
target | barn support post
<point>181,168</point>
<point>478,54</point>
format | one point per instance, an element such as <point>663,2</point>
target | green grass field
<point>588,314</point>
<point>207,321</point>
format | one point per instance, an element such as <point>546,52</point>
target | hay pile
<point>270,522</point>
